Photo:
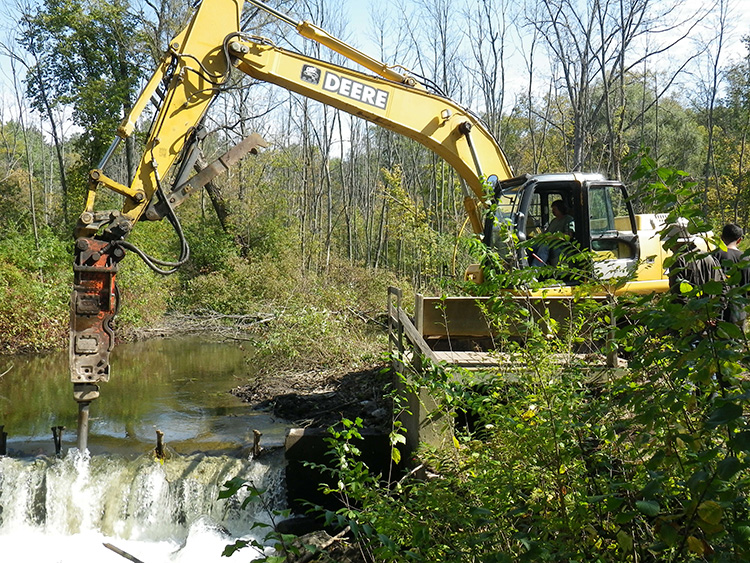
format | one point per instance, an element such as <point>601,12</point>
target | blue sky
<point>357,29</point>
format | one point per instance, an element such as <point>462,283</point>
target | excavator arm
<point>438,123</point>
<point>195,69</point>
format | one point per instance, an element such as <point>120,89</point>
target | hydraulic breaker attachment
<point>93,306</point>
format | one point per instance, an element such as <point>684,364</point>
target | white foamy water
<point>64,510</point>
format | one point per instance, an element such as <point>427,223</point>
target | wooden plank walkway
<point>468,359</point>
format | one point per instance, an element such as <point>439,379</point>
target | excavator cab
<point>603,220</point>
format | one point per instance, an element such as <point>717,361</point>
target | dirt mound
<point>321,398</point>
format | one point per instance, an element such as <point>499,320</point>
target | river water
<point>65,508</point>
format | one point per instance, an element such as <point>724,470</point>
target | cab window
<point>608,220</point>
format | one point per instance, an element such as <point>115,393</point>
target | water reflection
<point>179,386</point>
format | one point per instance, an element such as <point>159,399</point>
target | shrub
<point>33,311</point>
<point>145,296</point>
<point>651,463</point>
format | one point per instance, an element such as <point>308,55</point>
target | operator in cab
<point>544,255</point>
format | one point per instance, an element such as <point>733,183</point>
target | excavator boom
<point>438,123</point>
<point>195,69</point>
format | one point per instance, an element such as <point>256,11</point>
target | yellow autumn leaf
<point>711,512</point>
<point>695,545</point>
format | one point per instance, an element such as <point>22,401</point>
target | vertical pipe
<point>83,426</point>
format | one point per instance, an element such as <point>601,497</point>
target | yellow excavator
<point>196,68</point>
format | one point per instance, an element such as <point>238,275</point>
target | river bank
<point>321,398</point>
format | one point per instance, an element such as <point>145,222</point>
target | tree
<point>160,20</point>
<point>42,103</point>
<point>709,91</point>
<point>86,55</point>
<point>488,22</point>
<point>731,133</point>
<point>596,44</point>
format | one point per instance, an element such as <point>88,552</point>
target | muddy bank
<point>321,398</point>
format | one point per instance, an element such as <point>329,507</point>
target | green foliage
<point>538,134</point>
<point>728,196</point>
<point>299,320</point>
<point>211,248</point>
<point>145,297</point>
<point>313,329</point>
<point>240,287</point>
<point>357,487</point>
<point>650,467</point>
<point>10,197</point>
<point>34,292</point>
<point>552,460</point>
<point>73,65</point>
<point>686,398</point>
<point>281,545</point>
<point>309,337</point>
<point>16,181</point>
<point>361,287</point>
<point>670,190</point>
<point>523,130</point>
<point>416,248</point>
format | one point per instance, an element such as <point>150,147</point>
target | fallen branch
<point>310,554</point>
<point>119,551</point>
<point>7,370</point>
<point>367,319</point>
<point>208,322</point>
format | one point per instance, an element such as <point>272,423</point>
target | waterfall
<point>64,509</point>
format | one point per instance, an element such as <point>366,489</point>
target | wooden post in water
<point>3,441</point>
<point>159,450</point>
<point>57,437</point>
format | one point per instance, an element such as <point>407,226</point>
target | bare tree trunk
<point>710,170</point>
<point>487,25</point>
<point>741,165</point>
<point>58,141</point>
<point>218,201</point>
<point>594,45</point>
<point>29,164</point>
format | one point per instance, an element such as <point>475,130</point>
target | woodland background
<point>563,85</point>
<point>302,240</point>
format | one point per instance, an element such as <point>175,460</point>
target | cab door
<point>611,226</point>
